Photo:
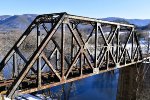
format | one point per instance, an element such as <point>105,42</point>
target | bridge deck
<point>30,81</point>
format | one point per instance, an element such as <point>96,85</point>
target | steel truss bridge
<point>68,48</point>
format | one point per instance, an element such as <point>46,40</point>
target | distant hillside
<point>137,22</point>
<point>16,22</point>
<point>147,27</point>
<point>4,17</point>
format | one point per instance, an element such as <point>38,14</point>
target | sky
<point>137,9</point>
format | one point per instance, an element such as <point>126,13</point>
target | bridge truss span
<point>66,48</point>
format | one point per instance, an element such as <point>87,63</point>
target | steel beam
<point>113,52</point>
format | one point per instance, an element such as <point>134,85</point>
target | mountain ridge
<point>21,22</point>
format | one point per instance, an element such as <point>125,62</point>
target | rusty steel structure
<point>68,48</point>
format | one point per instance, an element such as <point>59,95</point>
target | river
<point>128,83</point>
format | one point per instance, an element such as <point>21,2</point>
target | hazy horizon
<point>130,9</point>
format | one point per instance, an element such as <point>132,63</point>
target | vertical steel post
<point>15,72</point>
<point>112,43</point>
<point>107,59</point>
<point>132,48</point>
<point>81,62</point>
<point>125,54</point>
<point>39,59</point>
<point>117,54</point>
<point>72,45</point>
<point>96,43</point>
<point>148,45</point>
<point>137,55</point>
<point>62,50</point>
<point>57,60</point>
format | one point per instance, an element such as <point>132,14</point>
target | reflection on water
<point>98,87</point>
<point>122,84</point>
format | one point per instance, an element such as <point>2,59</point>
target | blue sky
<point>90,8</point>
